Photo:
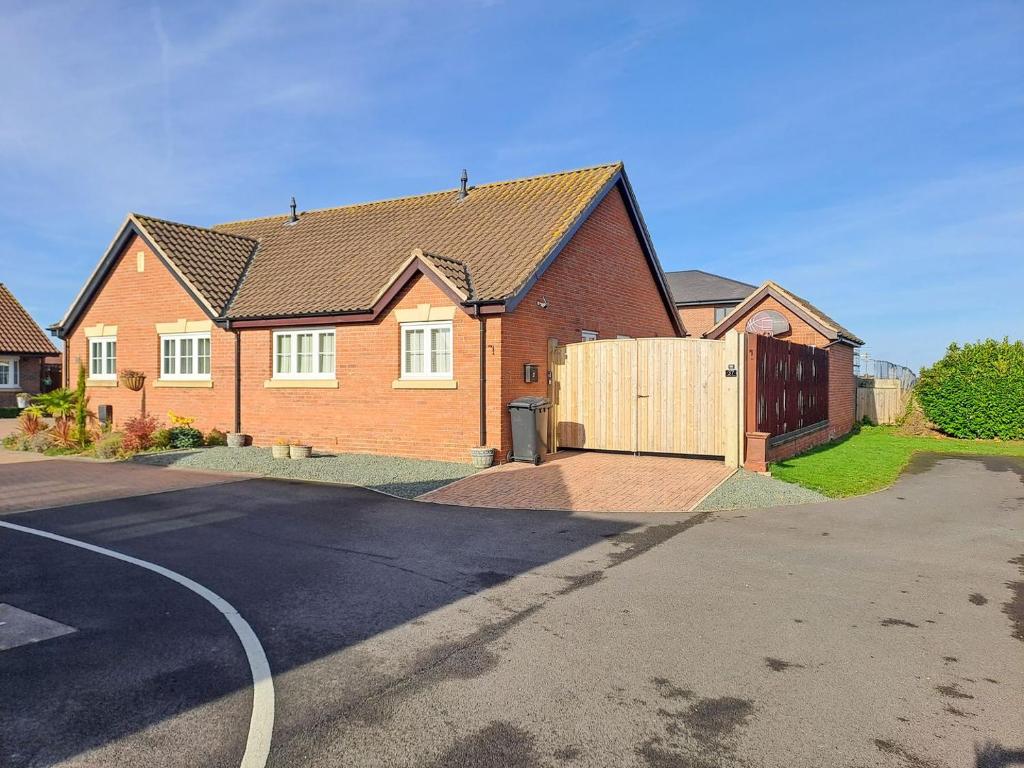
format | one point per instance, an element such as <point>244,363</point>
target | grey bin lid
<point>530,402</point>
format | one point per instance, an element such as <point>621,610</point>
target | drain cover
<point>18,627</point>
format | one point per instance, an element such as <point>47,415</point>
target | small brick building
<point>23,348</point>
<point>709,305</point>
<point>397,327</point>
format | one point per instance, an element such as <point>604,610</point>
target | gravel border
<point>750,490</point>
<point>407,478</point>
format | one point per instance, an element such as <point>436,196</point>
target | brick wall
<point>135,302</point>
<point>699,320</point>
<point>365,414</point>
<point>29,375</point>
<point>600,282</point>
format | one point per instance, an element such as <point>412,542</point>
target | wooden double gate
<point>663,395</point>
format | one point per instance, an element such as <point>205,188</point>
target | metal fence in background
<point>866,366</point>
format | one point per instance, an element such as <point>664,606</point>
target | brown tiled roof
<point>827,325</point>
<point>338,259</point>
<point>213,262</point>
<point>825,319</point>
<point>18,331</point>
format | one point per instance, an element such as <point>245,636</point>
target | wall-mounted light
<point>543,303</point>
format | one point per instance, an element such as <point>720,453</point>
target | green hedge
<point>9,413</point>
<point>976,391</point>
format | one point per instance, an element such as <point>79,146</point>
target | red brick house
<point>704,299</point>
<point>23,348</point>
<point>396,327</point>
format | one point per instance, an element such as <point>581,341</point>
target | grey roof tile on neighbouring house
<point>695,286</point>
<point>19,333</point>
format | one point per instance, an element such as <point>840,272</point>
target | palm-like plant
<point>60,403</point>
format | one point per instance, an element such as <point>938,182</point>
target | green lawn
<point>873,458</point>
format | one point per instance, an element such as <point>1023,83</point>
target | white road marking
<point>261,724</point>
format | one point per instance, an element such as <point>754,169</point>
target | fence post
<point>733,391</point>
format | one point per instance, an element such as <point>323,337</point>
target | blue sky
<point>866,155</point>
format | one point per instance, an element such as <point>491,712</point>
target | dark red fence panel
<point>787,385</point>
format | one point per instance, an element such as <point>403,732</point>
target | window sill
<point>184,383</point>
<point>301,384</point>
<point>101,382</point>
<point>424,384</point>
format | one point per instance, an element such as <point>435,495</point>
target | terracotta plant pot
<point>482,457</point>
<point>300,451</point>
<point>236,440</point>
<point>280,451</point>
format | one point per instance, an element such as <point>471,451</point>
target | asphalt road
<point>881,631</point>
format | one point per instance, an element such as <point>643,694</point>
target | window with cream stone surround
<point>426,353</point>
<point>303,358</point>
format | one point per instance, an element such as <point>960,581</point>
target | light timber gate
<point>663,395</point>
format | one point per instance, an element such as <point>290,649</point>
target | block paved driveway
<point>589,481</point>
<point>881,631</point>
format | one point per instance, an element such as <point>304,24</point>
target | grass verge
<point>871,458</point>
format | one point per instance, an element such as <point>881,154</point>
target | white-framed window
<point>9,372</point>
<point>721,313</point>
<point>304,353</point>
<point>588,335</point>
<point>103,357</point>
<point>427,350</point>
<point>185,356</point>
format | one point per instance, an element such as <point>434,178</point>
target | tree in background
<point>976,391</point>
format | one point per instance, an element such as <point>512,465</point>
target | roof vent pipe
<point>294,217</point>
<point>462,189</point>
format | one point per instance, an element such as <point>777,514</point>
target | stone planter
<point>300,451</point>
<point>24,400</point>
<point>482,457</point>
<point>236,440</point>
<point>280,451</point>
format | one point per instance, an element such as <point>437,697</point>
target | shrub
<point>59,403</point>
<point>138,433</point>
<point>976,391</point>
<point>81,408</point>
<point>38,442</point>
<point>63,433</point>
<point>161,439</point>
<point>216,437</point>
<point>109,446</point>
<point>180,421</point>
<point>186,437</point>
<point>11,441</point>
<point>30,423</point>
<point>9,413</point>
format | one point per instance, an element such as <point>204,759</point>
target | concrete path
<point>587,481</point>
<point>881,631</point>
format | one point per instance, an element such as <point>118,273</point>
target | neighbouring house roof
<point>814,317</point>
<point>19,333</point>
<point>487,247</point>
<point>695,286</point>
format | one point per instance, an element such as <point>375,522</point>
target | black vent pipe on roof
<point>463,191</point>
<point>294,217</point>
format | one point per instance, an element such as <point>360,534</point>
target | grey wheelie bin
<point>529,428</point>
